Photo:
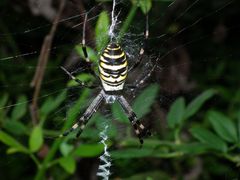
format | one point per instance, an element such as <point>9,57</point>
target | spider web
<point>173,46</point>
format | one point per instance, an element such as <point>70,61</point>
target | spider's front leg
<point>81,83</point>
<point>81,123</point>
<point>84,48</point>
<point>139,128</point>
<point>143,48</point>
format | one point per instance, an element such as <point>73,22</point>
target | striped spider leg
<point>139,128</point>
<point>81,123</point>
<point>143,48</point>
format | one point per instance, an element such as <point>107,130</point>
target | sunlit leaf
<point>65,148</point>
<point>101,30</point>
<point>142,104</point>
<point>68,164</point>
<point>176,113</point>
<point>88,150</point>
<point>21,108</point>
<point>14,144</point>
<point>12,150</point>
<point>36,139</point>
<point>223,126</point>
<point>210,139</point>
<point>196,104</point>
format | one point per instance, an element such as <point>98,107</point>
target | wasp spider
<point>113,70</point>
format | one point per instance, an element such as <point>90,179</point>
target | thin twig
<point>42,62</point>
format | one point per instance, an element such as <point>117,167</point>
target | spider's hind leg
<point>140,130</point>
<point>81,123</point>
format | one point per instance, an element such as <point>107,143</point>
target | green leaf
<point>52,103</point>
<point>68,164</point>
<point>66,148</point>
<point>132,153</point>
<point>144,101</point>
<point>101,123</point>
<point>101,30</point>
<point>196,104</point>
<point>3,100</point>
<point>36,139</point>
<point>21,108</point>
<point>14,144</point>
<point>210,139</point>
<point>118,113</point>
<point>193,148</point>
<point>148,143</point>
<point>112,131</point>
<point>90,133</point>
<point>223,126</point>
<point>176,113</point>
<point>74,111</point>
<point>92,55</point>
<point>145,5</point>
<point>12,150</point>
<point>88,150</point>
<point>15,127</point>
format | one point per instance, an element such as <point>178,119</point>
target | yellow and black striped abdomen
<point>113,68</point>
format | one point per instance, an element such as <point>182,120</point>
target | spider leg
<point>90,65</point>
<point>77,80</point>
<point>146,76</point>
<point>92,108</point>
<point>139,128</point>
<point>143,48</point>
<point>84,49</point>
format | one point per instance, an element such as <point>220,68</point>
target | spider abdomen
<point>113,68</point>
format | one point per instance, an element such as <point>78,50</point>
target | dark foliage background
<point>190,102</point>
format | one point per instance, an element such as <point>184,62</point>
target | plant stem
<point>235,159</point>
<point>35,160</point>
<point>234,146</point>
<point>48,158</point>
<point>176,135</point>
<point>170,155</point>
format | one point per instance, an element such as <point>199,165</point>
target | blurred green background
<point>190,103</point>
